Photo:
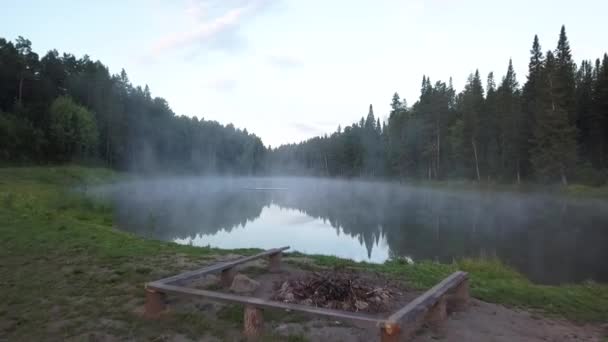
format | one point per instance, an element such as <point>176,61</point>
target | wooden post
<point>460,298</point>
<point>227,277</point>
<point>390,332</point>
<point>438,313</point>
<point>155,304</point>
<point>274,264</point>
<point>253,322</point>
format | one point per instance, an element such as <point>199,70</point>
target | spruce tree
<point>600,101</point>
<point>471,106</point>
<point>554,151</point>
<point>589,127</point>
<point>510,121</point>
<point>489,133</point>
<point>531,105</point>
<point>370,121</point>
<point>564,77</point>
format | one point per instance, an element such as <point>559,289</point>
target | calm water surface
<point>551,240</point>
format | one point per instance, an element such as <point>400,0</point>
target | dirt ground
<point>481,322</point>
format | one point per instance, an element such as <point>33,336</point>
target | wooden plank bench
<point>431,306</point>
<point>227,268</point>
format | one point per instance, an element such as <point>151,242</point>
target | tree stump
<point>253,322</point>
<point>156,303</point>
<point>274,262</point>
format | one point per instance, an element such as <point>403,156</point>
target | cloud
<point>222,84</point>
<point>213,24</point>
<point>307,129</point>
<point>285,61</point>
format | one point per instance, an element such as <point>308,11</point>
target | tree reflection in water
<point>550,239</point>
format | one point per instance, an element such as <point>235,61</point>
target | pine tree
<point>554,152</point>
<point>394,135</point>
<point>471,106</point>
<point>564,77</point>
<point>589,123</point>
<point>510,121</point>
<point>489,133</point>
<point>531,105</point>
<point>370,121</point>
<point>600,104</point>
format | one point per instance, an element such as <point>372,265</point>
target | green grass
<point>66,271</point>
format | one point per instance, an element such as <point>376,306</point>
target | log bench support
<point>227,276</point>
<point>438,314</point>
<point>390,332</point>
<point>460,299</point>
<point>253,323</point>
<point>156,303</point>
<point>274,262</point>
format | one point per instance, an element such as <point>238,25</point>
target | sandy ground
<point>494,323</point>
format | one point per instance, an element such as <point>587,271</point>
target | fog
<point>550,239</point>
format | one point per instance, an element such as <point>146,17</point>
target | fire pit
<point>337,295</point>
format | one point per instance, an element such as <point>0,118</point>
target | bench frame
<point>451,294</point>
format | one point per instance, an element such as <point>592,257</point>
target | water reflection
<point>276,227</point>
<point>551,240</point>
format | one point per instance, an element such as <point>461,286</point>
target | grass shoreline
<point>64,267</point>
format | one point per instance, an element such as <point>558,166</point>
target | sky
<point>288,70</point>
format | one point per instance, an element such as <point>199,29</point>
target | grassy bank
<point>571,191</point>
<point>65,271</point>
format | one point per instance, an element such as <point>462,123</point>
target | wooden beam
<point>268,304</point>
<point>182,277</point>
<point>420,305</point>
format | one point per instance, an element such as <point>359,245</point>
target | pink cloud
<point>207,30</point>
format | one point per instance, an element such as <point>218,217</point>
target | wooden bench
<point>431,306</point>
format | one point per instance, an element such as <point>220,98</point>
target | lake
<point>550,239</point>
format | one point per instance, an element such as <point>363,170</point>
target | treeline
<point>60,108</point>
<point>553,129</point>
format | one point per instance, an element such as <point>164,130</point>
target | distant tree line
<point>60,108</point>
<point>553,129</point>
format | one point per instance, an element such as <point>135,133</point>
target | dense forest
<point>60,108</point>
<point>554,128</point>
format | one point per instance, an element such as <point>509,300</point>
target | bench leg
<point>274,262</point>
<point>227,276</point>
<point>390,332</point>
<point>438,313</point>
<point>156,303</point>
<point>460,298</point>
<point>253,322</point>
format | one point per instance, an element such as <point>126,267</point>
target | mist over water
<point>549,239</point>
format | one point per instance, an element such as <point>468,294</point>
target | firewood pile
<point>334,290</point>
